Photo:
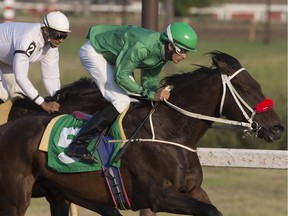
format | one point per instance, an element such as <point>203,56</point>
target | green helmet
<point>181,35</point>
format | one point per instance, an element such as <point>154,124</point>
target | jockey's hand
<point>161,94</point>
<point>50,107</point>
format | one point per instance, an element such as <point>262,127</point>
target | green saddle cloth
<point>62,134</point>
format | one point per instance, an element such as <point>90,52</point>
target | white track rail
<point>220,157</point>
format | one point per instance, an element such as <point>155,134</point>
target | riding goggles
<point>56,35</point>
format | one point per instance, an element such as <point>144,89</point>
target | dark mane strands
<point>83,86</point>
<point>77,86</point>
<point>233,63</point>
<point>73,88</point>
<point>178,79</point>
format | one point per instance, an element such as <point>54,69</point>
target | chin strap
<point>52,45</point>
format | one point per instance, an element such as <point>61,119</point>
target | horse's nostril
<point>276,129</point>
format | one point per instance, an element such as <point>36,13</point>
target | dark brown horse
<point>159,176</point>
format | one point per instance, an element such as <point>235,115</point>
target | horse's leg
<point>15,190</point>
<point>178,203</point>
<point>58,206</point>
<point>13,204</point>
<point>194,182</point>
<point>147,212</point>
<point>16,180</point>
<point>103,210</point>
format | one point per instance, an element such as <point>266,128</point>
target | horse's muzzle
<point>270,134</point>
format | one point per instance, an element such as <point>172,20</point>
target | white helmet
<point>56,20</point>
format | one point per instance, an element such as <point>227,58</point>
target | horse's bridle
<point>226,82</point>
<point>254,126</point>
<point>251,126</point>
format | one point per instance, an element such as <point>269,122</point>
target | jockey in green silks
<point>110,56</point>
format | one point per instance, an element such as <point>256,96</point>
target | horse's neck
<point>203,98</point>
<point>186,130</point>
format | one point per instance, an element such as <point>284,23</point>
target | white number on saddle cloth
<point>65,139</point>
<point>66,136</point>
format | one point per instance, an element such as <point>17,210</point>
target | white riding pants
<point>8,87</point>
<point>102,73</point>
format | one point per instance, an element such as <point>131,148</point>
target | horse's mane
<point>79,85</point>
<point>197,74</point>
<point>82,86</point>
<point>229,60</point>
<point>203,71</point>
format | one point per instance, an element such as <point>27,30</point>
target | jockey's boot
<point>98,122</point>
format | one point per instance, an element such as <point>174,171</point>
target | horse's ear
<point>215,62</point>
<point>221,66</point>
